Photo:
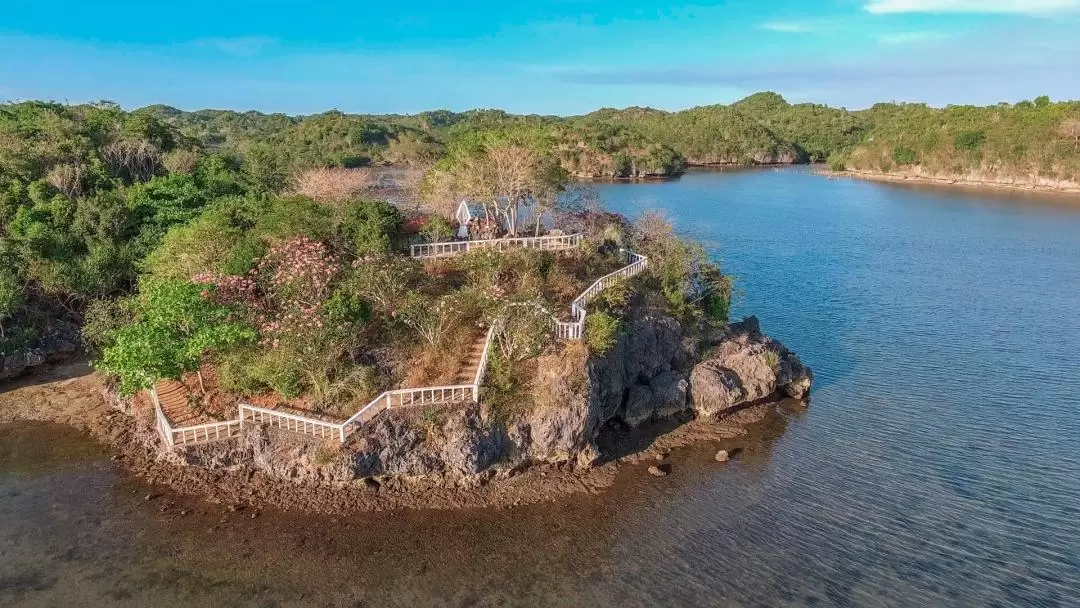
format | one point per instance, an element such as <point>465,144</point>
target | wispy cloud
<point>1015,7</point>
<point>899,38</point>
<point>788,27</point>
<point>800,75</point>
<point>242,46</point>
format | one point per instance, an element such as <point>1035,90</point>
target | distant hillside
<point>1010,141</point>
<point>1027,143</point>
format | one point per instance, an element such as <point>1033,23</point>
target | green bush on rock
<point>175,324</point>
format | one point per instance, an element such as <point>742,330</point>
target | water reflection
<point>80,527</point>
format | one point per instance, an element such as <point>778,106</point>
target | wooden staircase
<point>174,398</point>
<point>467,372</point>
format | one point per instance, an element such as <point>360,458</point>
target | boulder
<point>723,456</point>
<point>639,406</point>
<point>656,471</point>
<point>744,366</point>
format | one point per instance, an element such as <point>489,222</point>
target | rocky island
<point>484,334</point>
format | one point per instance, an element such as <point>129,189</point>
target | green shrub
<point>903,156</point>
<point>371,227</point>
<point>285,218</point>
<point>344,308</point>
<point>970,140</point>
<point>11,300</point>
<point>102,319</point>
<point>601,332</point>
<point>175,326</point>
<point>437,230</point>
<point>771,358</point>
<point>615,297</point>
<point>837,162</point>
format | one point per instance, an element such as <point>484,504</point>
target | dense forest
<point>95,199</point>
<point>1007,142</point>
<point>158,239</point>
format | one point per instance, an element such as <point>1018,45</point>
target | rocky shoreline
<point>1069,189</point>
<point>654,392</point>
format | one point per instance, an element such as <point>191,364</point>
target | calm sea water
<point>938,463</point>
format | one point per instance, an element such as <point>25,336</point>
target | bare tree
<point>181,161</point>
<point>133,160</point>
<point>1070,128</point>
<point>68,179</point>
<point>335,184</point>
<point>513,169</point>
<point>440,192</point>
<point>506,179</point>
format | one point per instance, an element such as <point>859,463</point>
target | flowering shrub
<point>430,320</point>
<point>283,292</point>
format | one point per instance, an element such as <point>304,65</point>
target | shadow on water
<point>78,531</point>
<point>33,449</point>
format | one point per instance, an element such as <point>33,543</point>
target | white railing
<point>289,422</point>
<point>481,368</point>
<point>452,248</point>
<point>188,435</point>
<point>397,398</point>
<point>408,397</point>
<point>574,330</point>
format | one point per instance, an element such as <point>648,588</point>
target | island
<point>341,338</point>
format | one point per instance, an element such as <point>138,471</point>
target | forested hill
<point>1027,140</point>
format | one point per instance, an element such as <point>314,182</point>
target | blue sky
<point>551,57</point>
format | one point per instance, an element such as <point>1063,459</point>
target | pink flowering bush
<point>284,292</point>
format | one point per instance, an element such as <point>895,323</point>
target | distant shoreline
<point>957,182</point>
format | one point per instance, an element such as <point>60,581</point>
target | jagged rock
<point>663,397</point>
<point>645,376</point>
<point>745,366</point>
<point>656,471</point>
<point>588,456</point>
<point>639,405</point>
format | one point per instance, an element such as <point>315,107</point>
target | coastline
<point>1069,194</point>
<point>73,394</point>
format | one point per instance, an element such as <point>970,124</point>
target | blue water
<point>940,459</point>
<point>938,463</point>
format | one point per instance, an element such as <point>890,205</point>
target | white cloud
<point>1016,7</point>
<point>788,27</point>
<point>899,38</point>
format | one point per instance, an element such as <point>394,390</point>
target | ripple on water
<point>938,463</point>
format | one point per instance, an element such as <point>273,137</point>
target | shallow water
<point>938,464</point>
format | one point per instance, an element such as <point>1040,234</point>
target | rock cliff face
<point>653,372</point>
<point>58,342</point>
<point>745,366</point>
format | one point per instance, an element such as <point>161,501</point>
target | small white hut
<point>525,217</point>
<point>468,211</point>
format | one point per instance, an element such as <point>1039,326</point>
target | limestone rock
<point>745,366</point>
